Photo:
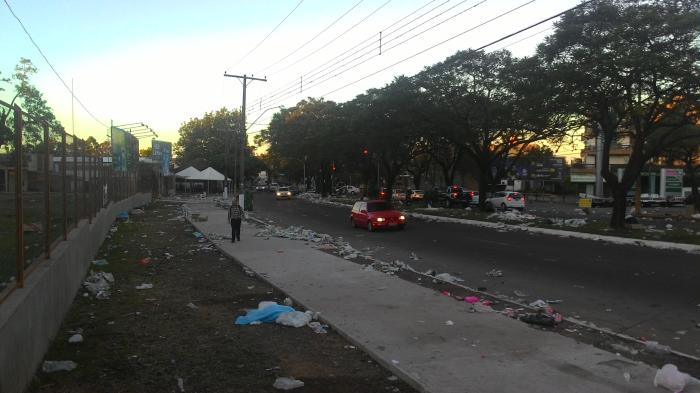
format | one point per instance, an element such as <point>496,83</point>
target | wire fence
<point>49,182</point>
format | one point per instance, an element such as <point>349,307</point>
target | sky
<point>162,62</point>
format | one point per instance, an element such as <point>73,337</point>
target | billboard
<point>162,151</point>
<point>125,151</point>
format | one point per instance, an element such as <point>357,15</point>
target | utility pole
<point>245,81</point>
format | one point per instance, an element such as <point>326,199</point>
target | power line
<point>337,37</point>
<point>318,82</point>
<point>370,38</point>
<point>50,65</point>
<point>268,34</point>
<point>525,38</point>
<point>314,37</point>
<point>285,92</point>
<point>460,34</point>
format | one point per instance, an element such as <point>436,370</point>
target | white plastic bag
<point>51,366</point>
<point>284,383</point>
<point>294,319</point>
<point>670,378</point>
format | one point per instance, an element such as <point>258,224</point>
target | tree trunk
<point>483,186</point>
<point>617,220</point>
<point>695,194</point>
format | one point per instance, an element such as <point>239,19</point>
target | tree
<point>146,152</point>
<point>311,133</point>
<point>627,69</point>
<point>491,107</point>
<point>688,152</point>
<point>32,103</point>
<point>383,120</point>
<point>213,140</point>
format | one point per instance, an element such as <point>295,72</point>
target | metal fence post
<point>86,189</point>
<point>19,208</point>
<point>47,192</point>
<point>63,185</point>
<point>75,176</point>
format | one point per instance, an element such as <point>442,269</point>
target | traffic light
<point>365,151</point>
<point>333,167</point>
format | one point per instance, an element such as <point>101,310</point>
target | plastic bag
<point>294,319</point>
<point>285,383</point>
<point>51,366</point>
<point>266,314</point>
<point>670,378</point>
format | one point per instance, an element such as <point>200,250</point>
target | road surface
<point>634,290</point>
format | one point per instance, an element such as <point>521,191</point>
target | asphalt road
<point>634,290</point>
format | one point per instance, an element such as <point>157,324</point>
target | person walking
<point>235,214</point>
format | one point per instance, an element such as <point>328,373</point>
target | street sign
<point>584,203</point>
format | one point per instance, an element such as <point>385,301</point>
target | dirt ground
<point>180,336</point>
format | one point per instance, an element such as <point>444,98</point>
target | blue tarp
<point>123,216</point>
<point>267,314</point>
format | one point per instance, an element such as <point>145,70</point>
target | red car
<point>376,214</point>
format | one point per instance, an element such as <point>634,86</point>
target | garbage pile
<point>569,222</point>
<point>294,233</point>
<point>511,215</point>
<point>270,311</point>
<point>98,284</point>
<point>544,315</point>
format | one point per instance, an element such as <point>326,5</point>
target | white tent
<point>188,172</point>
<point>209,174</point>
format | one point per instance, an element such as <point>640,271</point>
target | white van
<point>274,187</point>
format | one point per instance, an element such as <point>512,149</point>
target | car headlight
<point>278,194</point>
<point>380,219</point>
<point>402,218</point>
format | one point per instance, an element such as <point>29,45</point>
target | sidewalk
<point>404,326</point>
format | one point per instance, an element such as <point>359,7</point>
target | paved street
<point>638,291</point>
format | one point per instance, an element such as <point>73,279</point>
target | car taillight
<point>523,198</point>
<point>509,199</point>
<point>471,194</point>
<point>454,195</point>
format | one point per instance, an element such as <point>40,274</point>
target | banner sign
<point>125,151</point>
<point>162,151</point>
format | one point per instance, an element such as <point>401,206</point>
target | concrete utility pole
<point>245,81</point>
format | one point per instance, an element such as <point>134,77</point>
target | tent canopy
<point>208,174</point>
<point>188,172</point>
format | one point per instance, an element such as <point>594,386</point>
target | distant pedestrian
<point>235,214</point>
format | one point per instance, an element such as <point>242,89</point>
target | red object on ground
<point>144,261</point>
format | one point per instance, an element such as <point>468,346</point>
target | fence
<point>49,182</point>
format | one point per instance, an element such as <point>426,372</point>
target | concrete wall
<point>31,316</point>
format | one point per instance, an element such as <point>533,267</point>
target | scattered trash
<point>294,318</point>
<point>100,262</point>
<point>198,235</point>
<point>624,348</point>
<point>539,319</point>
<point>670,378</point>
<point>136,211</point>
<point>288,302</point>
<point>393,378</point>
<point>192,306</point>
<point>317,327</point>
<point>655,347</point>
<point>144,261</point>
<point>98,284</point>
<point>287,383</point>
<point>181,384</point>
<point>538,304</point>
<point>448,277</point>
<point>669,227</point>
<point>75,339</point>
<point>495,273</point>
<point>265,314</point>
<point>123,216</point>
<point>627,376</point>
<point>519,293</point>
<point>144,286</point>
<point>413,256</point>
<point>471,299</point>
<point>50,366</point>
<point>449,323</point>
<point>554,301</point>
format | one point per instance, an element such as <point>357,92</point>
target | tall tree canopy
<point>628,68</point>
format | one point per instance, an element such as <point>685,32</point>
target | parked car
<point>261,187</point>
<point>347,190</point>
<point>283,193</point>
<point>455,196</point>
<point>417,195</point>
<point>473,196</point>
<point>274,187</point>
<point>376,214</point>
<point>505,200</point>
<point>652,200</point>
<point>399,195</point>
